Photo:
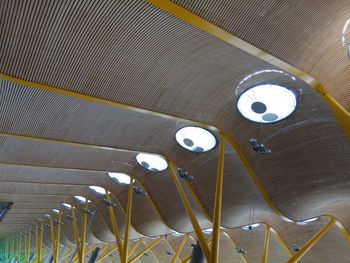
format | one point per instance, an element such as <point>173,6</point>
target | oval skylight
<point>120,177</point>
<point>98,189</point>
<point>68,206</point>
<point>81,199</point>
<point>56,211</point>
<point>195,139</point>
<point>250,227</point>
<point>267,103</point>
<point>152,162</point>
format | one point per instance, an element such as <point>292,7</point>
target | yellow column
<point>266,245</point>
<point>128,223</point>
<point>311,242</point>
<point>114,226</point>
<point>201,239</point>
<point>214,256</point>
<point>83,232</point>
<point>179,249</point>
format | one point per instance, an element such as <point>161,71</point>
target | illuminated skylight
<point>120,177</point>
<point>195,139</point>
<point>56,211</point>
<point>267,103</point>
<point>250,227</point>
<point>305,222</point>
<point>47,215</point>
<point>98,189</point>
<point>286,219</point>
<point>81,199</point>
<point>152,162</point>
<point>68,206</point>
<point>208,231</point>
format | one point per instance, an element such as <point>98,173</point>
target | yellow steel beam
<point>281,241</point>
<point>107,254</point>
<point>186,260</point>
<point>27,246</point>
<point>19,246</point>
<point>128,222</point>
<point>189,210</point>
<point>76,232</point>
<point>266,245</point>
<point>145,250</point>
<point>179,249</point>
<point>132,250</point>
<point>244,260</point>
<point>58,238</point>
<point>53,241</point>
<point>84,254</point>
<point>311,242</point>
<point>83,232</point>
<point>214,256</point>
<point>115,226</point>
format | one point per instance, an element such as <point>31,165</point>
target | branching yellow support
<point>76,232</point>
<point>83,231</point>
<point>311,242</point>
<point>214,256</point>
<point>145,250</point>
<point>132,250</point>
<point>179,249</point>
<point>266,245</point>
<point>107,254</point>
<point>194,221</point>
<point>128,222</point>
<point>115,226</point>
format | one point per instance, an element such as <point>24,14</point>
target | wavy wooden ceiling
<point>52,146</point>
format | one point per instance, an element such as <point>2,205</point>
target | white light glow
<point>56,211</point>
<point>286,219</point>
<point>81,199</point>
<point>47,215</point>
<point>98,189</point>
<point>152,162</point>
<point>120,177</point>
<point>250,227</point>
<point>305,222</point>
<point>267,103</point>
<point>68,206</point>
<point>208,231</point>
<point>177,234</point>
<point>195,139</point>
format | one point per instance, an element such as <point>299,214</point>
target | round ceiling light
<point>120,177</point>
<point>195,139</point>
<point>250,227</point>
<point>267,103</point>
<point>81,199</point>
<point>98,189</point>
<point>152,162</point>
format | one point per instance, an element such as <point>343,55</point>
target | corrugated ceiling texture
<point>175,69</point>
<point>306,34</point>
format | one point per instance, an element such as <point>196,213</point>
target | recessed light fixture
<point>152,162</point>
<point>195,139</point>
<point>120,177</point>
<point>68,206</point>
<point>267,103</point>
<point>98,189</point>
<point>305,222</point>
<point>250,227</point>
<point>81,199</point>
<point>56,211</point>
